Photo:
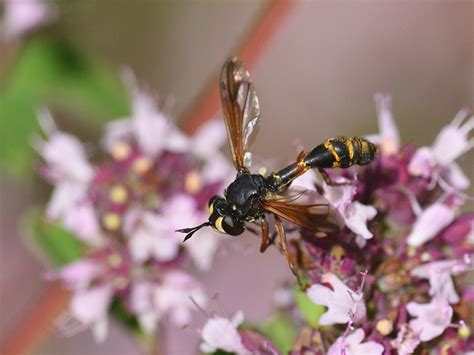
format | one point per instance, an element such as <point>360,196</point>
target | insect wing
<point>307,209</point>
<point>241,111</point>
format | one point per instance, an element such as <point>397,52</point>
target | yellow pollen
<point>425,256</point>
<point>192,182</point>
<point>114,260</point>
<point>121,151</point>
<point>464,332</point>
<point>111,221</point>
<point>384,326</point>
<point>262,171</point>
<point>141,165</point>
<point>118,194</point>
<point>337,251</point>
<point>411,251</point>
<point>388,146</point>
<point>120,282</point>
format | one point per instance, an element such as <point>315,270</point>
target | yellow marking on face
<point>211,209</point>
<point>350,147</point>
<point>262,171</point>
<point>218,225</point>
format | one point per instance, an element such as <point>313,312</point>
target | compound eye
<point>232,226</point>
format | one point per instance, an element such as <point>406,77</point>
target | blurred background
<point>316,70</point>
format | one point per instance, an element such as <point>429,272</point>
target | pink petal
<point>356,217</point>
<point>82,221</point>
<point>91,305</point>
<point>422,163</point>
<point>116,132</point>
<point>64,198</point>
<point>455,177</point>
<point>432,220</point>
<point>431,319</point>
<point>452,141</point>
<point>80,273</point>
<point>221,333</point>
<point>23,16</point>
<point>343,304</point>
<point>390,138</point>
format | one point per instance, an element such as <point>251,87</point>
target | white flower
<point>352,345</point>
<point>439,159</point>
<point>220,333</point>
<point>344,305</point>
<point>431,319</point>
<point>429,223</point>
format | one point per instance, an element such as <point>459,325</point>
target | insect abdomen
<point>341,152</point>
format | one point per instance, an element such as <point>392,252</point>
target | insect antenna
<point>192,230</point>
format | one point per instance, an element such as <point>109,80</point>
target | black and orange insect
<point>252,197</point>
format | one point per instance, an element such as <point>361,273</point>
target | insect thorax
<point>245,193</point>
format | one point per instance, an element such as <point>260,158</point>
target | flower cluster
<point>392,280</point>
<point>126,209</point>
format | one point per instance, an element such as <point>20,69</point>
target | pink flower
<point>439,274</point>
<point>352,345</point>
<point>90,306</point>
<point>355,214</point>
<point>148,126</point>
<point>201,248</point>
<point>171,296</point>
<point>149,236</point>
<point>220,333</point>
<point>431,319</point>
<point>78,274</point>
<point>388,139</point>
<point>439,159</point>
<point>205,145</point>
<point>70,171</point>
<point>344,305</point>
<point>174,295</point>
<point>407,341</point>
<point>82,220</point>
<point>22,16</point>
<point>429,223</point>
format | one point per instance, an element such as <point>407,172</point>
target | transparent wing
<point>307,209</point>
<point>241,111</point>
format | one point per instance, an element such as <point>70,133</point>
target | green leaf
<point>120,312</point>
<point>310,311</point>
<point>59,245</point>
<point>51,72</point>
<point>281,331</point>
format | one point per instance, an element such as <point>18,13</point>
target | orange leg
<point>265,237</point>
<point>329,181</point>
<point>284,249</point>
